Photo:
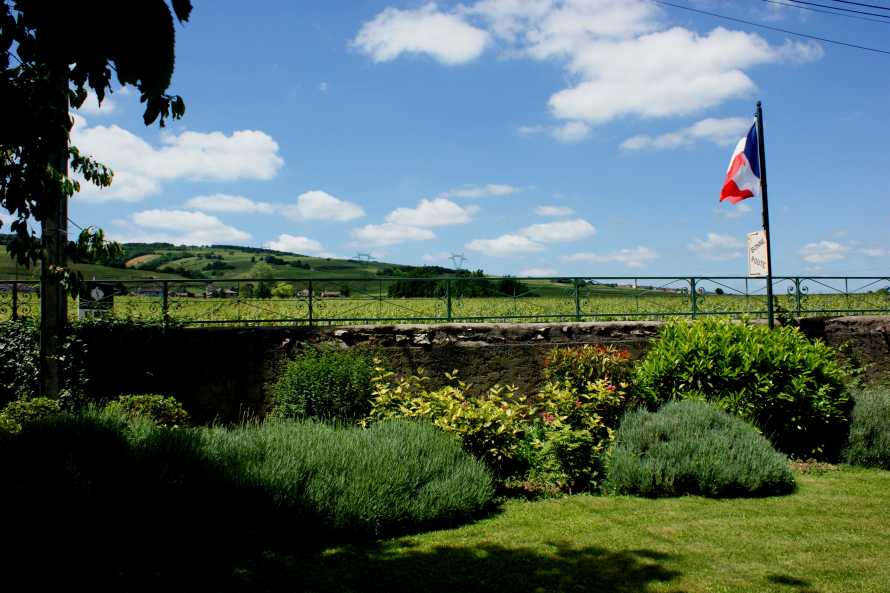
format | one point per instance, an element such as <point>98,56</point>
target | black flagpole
<point>761,153</point>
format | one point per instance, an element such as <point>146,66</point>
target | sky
<point>536,137</point>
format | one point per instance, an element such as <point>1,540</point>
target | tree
<point>51,54</point>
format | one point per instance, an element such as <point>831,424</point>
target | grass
<point>831,536</point>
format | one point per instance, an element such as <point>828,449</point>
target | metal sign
<point>95,299</point>
<point>757,260</point>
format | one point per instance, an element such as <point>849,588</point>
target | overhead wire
<point>838,8</point>
<point>885,20</point>
<point>771,28</point>
<point>879,7</point>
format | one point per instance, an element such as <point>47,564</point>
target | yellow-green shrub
<point>491,426</point>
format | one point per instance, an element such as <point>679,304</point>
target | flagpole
<point>761,153</point>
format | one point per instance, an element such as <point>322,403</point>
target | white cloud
<point>431,213</point>
<point>624,59</point>
<point>446,37</point>
<point>635,257</point>
<point>229,203</point>
<point>538,272</point>
<point>180,227</point>
<point>732,211</point>
<point>664,73</point>
<point>140,167</point>
<point>319,205</point>
<point>323,87</point>
<point>559,232</point>
<point>571,132</point>
<point>873,252</point>
<point>554,211</point>
<point>430,258</point>
<point>294,244</point>
<point>717,247</point>
<point>720,131</point>
<point>91,105</point>
<point>481,191</point>
<point>381,235</point>
<point>823,251</point>
<point>505,246</point>
<point>526,131</point>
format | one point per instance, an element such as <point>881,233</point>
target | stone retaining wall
<point>223,373</point>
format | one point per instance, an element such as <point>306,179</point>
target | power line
<point>848,16</point>
<point>852,10</point>
<point>786,31</point>
<point>861,4</point>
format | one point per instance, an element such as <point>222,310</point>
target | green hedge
<point>691,447</point>
<point>324,384</point>
<point>869,443</point>
<point>792,389</point>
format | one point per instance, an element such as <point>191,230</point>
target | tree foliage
<point>51,55</point>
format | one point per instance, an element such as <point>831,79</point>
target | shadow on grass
<point>487,568</point>
<point>798,585</point>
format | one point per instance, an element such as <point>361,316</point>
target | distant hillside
<point>222,263</point>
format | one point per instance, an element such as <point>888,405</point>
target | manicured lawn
<point>833,535</point>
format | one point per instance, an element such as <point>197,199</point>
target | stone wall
<point>223,373</point>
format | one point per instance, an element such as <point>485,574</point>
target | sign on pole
<point>758,265</point>
<point>95,299</point>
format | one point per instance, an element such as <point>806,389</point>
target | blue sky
<point>535,136</point>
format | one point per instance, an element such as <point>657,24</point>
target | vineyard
<point>341,301</point>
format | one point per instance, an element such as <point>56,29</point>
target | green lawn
<point>833,535</point>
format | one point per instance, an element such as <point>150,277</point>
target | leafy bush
<point>869,443</point>
<point>25,411</point>
<point>325,384</point>
<point>491,427</point>
<point>570,435</point>
<point>20,362</point>
<point>579,365</point>
<point>790,388</point>
<point>691,447</point>
<point>165,411</point>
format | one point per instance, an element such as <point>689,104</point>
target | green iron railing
<point>388,300</point>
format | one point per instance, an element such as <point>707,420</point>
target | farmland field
<point>192,305</point>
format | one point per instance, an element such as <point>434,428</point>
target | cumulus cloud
<point>229,203</point>
<point>381,235</point>
<point>622,56</point>
<point>294,244</point>
<point>180,227</point>
<point>732,211</point>
<point>432,213</point>
<point>140,167</point>
<point>505,246</point>
<point>447,37</point>
<point>554,211</point>
<point>319,205</point>
<point>720,131</point>
<point>559,232</point>
<point>823,252</point>
<point>873,252</point>
<point>635,257</point>
<point>481,191</point>
<point>717,247</point>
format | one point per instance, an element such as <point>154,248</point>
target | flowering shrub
<point>21,412</point>
<point>580,365</point>
<point>164,411</point>
<point>491,427</point>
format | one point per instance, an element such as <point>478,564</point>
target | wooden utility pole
<point>53,297</point>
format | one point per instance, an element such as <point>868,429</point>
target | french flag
<point>743,175</point>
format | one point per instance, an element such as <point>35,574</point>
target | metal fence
<point>387,300</point>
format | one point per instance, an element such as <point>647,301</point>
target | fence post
<point>693,295</point>
<point>165,311</point>
<point>15,301</point>
<point>577,300</point>
<point>310,303</point>
<point>797,297</point>
<point>448,298</point>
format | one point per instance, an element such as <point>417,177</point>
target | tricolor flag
<point>743,175</point>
